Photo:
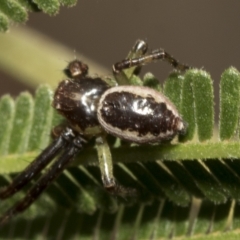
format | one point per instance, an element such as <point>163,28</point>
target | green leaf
<point>13,10</point>
<point>203,99</point>
<point>69,3</point>
<point>42,119</point>
<point>21,123</point>
<point>50,7</point>
<point>6,119</point>
<point>187,107</point>
<point>173,89</point>
<point>17,10</point>
<point>229,103</point>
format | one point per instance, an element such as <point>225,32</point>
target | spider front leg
<point>37,165</point>
<point>139,61</point>
<point>72,148</point>
<point>106,168</point>
<point>122,77</point>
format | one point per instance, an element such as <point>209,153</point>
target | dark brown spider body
<point>92,108</point>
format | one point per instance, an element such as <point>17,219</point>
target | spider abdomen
<point>139,114</point>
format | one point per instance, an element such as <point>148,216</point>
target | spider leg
<point>139,49</point>
<point>37,165</point>
<point>158,54</point>
<point>53,172</point>
<point>33,169</point>
<point>105,162</point>
<point>106,168</point>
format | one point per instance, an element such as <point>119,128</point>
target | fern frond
<point>188,188</point>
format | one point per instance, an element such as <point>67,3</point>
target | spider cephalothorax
<point>94,108</point>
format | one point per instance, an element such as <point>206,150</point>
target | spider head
<point>75,69</point>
